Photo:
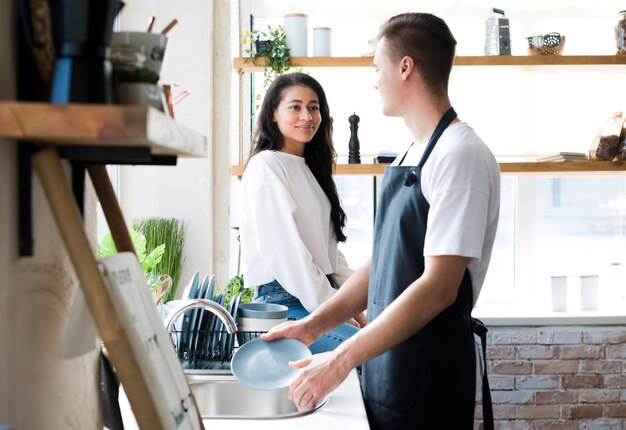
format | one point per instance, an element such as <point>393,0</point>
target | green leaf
<point>153,258</point>
<point>107,246</point>
<point>234,287</point>
<point>139,242</point>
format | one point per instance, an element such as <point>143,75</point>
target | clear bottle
<point>620,33</point>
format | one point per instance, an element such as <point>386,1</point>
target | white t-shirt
<point>461,183</point>
<point>285,228</point>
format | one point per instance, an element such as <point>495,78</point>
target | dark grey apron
<point>428,381</point>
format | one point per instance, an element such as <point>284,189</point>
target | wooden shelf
<point>245,64</point>
<point>571,168</point>
<point>100,125</point>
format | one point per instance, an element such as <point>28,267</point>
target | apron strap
<point>479,328</point>
<point>444,122</point>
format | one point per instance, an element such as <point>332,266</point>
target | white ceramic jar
<point>321,42</point>
<point>296,33</point>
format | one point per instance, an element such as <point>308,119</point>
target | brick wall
<point>570,377</point>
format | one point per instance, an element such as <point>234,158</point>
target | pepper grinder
<point>353,146</point>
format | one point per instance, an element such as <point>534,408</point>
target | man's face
<point>388,79</point>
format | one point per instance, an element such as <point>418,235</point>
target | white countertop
<point>344,410</point>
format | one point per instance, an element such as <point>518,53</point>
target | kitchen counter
<point>344,410</point>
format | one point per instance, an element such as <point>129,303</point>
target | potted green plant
<point>234,287</point>
<point>271,46</point>
<point>148,260</point>
<point>172,233</point>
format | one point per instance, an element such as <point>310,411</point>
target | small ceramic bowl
<point>262,310</point>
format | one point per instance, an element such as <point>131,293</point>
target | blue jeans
<point>275,293</point>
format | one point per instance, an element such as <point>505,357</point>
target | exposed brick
<point>555,366</point>
<point>583,381</point>
<point>616,351</point>
<point>509,367</point>
<point>598,396</point>
<point>537,411</point>
<point>581,351</point>
<point>536,382</point>
<point>511,425</point>
<point>538,351</point>
<point>503,412</point>
<point>617,410</point>
<point>555,425</point>
<point>501,352</point>
<point>604,337</point>
<point>586,411</point>
<point>601,366</point>
<point>498,382</point>
<point>512,337</point>
<point>560,336</point>
<point>512,397</point>
<point>567,411</point>
<point>603,424</point>
<point>555,397</point>
<point>612,381</point>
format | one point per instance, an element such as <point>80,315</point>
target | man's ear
<point>406,67</point>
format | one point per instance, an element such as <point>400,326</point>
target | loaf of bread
<point>605,144</point>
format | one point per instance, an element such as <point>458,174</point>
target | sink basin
<point>224,397</point>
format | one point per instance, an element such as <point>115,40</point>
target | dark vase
<point>81,31</point>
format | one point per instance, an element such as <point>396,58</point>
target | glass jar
<point>620,33</point>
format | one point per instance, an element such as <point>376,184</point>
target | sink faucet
<point>209,305</point>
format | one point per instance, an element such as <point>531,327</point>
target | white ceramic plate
<point>265,365</point>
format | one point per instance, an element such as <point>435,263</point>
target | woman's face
<point>298,117</point>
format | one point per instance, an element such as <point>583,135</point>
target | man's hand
<point>301,330</point>
<point>320,375</point>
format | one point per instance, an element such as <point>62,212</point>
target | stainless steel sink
<point>223,397</point>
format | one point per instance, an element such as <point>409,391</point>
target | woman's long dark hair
<point>319,153</point>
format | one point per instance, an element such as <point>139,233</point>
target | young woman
<point>290,215</point>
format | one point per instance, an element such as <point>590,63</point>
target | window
<point>570,225</point>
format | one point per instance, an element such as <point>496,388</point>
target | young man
<point>435,228</point>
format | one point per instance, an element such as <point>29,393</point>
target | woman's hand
<point>320,375</point>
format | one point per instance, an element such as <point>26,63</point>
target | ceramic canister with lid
<point>296,33</point>
<point>321,42</point>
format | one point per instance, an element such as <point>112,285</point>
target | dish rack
<point>197,331</point>
<point>208,349</point>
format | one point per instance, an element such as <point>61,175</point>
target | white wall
<point>184,191</point>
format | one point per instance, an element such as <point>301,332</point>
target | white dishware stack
<point>296,33</point>
<point>321,42</point>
